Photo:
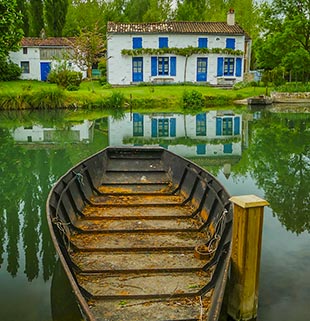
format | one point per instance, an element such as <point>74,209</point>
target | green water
<point>270,157</point>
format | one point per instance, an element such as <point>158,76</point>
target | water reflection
<point>36,148</point>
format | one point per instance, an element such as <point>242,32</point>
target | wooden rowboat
<point>142,234</point>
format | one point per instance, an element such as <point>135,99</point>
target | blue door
<point>137,69</point>
<point>45,69</point>
<point>202,68</point>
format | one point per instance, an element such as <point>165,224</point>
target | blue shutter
<point>154,127</point>
<point>137,117</point>
<point>201,149</point>
<point>202,42</point>
<point>172,127</point>
<point>237,125</point>
<point>173,67</point>
<point>220,63</point>
<point>154,66</point>
<point>238,67</point>
<point>201,117</point>
<point>218,126</point>
<point>228,148</point>
<point>136,42</point>
<point>230,43</point>
<point>163,42</point>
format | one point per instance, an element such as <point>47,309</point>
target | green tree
<point>36,17</point>
<point>22,8</point>
<point>191,10</point>
<point>10,28</point>
<point>55,15</point>
<point>88,47</point>
<point>285,39</point>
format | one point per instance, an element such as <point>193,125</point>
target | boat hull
<point>142,234</point>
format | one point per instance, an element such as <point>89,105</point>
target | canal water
<point>262,152</point>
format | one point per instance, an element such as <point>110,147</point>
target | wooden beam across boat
<point>142,234</point>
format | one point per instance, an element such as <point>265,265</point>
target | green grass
<point>148,97</point>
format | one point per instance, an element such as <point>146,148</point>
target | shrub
<point>192,101</point>
<point>9,70</point>
<point>66,78</point>
<point>48,99</point>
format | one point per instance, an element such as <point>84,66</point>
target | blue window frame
<point>224,126</point>
<point>136,42</point>
<point>231,43</point>
<point>137,124</point>
<point>202,42</point>
<point>163,66</point>
<point>201,124</point>
<point>163,127</point>
<point>202,67</point>
<point>229,66</point>
<point>163,42</point>
<point>137,69</point>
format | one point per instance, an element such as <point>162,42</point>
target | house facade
<point>37,56</point>
<point>198,52</point>
<point>207,134</point>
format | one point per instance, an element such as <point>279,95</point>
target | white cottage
<point>198,52</point>
<point>37,56</point>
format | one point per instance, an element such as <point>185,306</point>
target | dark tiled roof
<point>47,42</point>
<point>176,27</point>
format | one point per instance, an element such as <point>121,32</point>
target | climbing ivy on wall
<point>188,51</point>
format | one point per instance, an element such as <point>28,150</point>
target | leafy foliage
<point>188,51</point>
<point>55,16</point>
<point>192,101</point>
<point>64,77</point>
<point>10,27</point>
<point>285,40</point>
<point>9,70</point>
<point>88,47</point>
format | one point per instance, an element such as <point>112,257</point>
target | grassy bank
<point>39,95</point>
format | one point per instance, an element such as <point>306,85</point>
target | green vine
<point>186,52</point>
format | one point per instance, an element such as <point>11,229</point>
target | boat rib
<point>129,233</point>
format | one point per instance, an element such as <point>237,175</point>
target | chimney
<point>231,17</point>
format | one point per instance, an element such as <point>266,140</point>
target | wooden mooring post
<point>245,256</point>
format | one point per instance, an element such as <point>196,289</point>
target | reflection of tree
<point>27,174</point>
<point>279,158</point>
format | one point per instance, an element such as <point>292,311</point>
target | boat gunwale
<point>64,255</point>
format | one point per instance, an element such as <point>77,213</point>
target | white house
<point>83,132</point>
<point>198,52</point>
<point>37,56</point>
<point>208,134</point>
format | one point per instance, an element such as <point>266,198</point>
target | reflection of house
<point>214,52</point>
<point>37,133</point>
<point>37,55</point>
<point>215,133</point>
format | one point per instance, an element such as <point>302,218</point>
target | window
<point>230,43</point>
<point>25,51</point>
<point>137,124</point>
<point>24,65</point>
<point>163,127</point>
<point>136,42</point>
<point>229,66</point>
<point>227,126</point>
<point>201,125</point>
<point>202,42</point>
<point>163,42</point>
<point>163,66</point>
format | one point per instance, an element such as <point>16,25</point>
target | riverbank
<point>40,95</point>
